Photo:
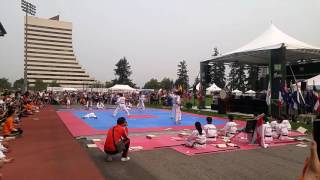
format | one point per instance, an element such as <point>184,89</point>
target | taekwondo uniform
<point>282,131</point>
<point>287,123</point>
<point>121,106</point>
<point>230,128</point>
<point>141,103</point>
<point>177,110</point>
<point>267,133</point>
<point>173,111</point>
<point>211,132</point>
<point>90,115</point>
<point>100,105</point>
<point>196,139</point>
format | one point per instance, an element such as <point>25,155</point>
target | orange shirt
<point>119,132</point>
<point>8,126</point>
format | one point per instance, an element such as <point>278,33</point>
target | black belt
<point>212,137</point>
<point>268,136</point>
<point>284,135</point>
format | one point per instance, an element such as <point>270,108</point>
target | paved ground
<point>166,164</point>
<point>48,151</point>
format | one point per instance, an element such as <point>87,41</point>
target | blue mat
<point>162,118</point>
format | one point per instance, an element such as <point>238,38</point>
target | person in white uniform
<point>230,129</point>
<point>140,104</point>
<point>197,137</point>
<point>267,133</point>
<point>211,130</point>
<point>282,130</point>
<point>90,115</point>
<point>121,105</point>
<point>100,105</point>
<point>173,111</point>
<point>177,115</point>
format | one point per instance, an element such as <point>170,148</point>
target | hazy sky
<point>155,35</point>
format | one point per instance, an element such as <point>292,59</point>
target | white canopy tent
<point>236,92</point>
<point>258,50</point>
<point>122,88</point>
<point>213,88</point>
<point>250,92</point>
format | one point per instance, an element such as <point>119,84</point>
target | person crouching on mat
<point>118,134</point>
<point>197,137</point>
<point>121,105</point>
<point>211,130</point>
<point>282,130</point>
<point>230,128</point>
<point>267,129</point>
<point>8,128</point>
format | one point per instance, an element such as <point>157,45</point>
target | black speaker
<point>303,85</point>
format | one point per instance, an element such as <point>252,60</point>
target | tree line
<point>241,77</point>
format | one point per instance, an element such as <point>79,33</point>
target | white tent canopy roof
<point>250,92</point>
<point>213,88</point>
<point>258,50</point>
<point>121,87</point>
<point>313,81</point>
<point>236,91</point>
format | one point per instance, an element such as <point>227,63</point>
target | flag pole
<point>295,80</point>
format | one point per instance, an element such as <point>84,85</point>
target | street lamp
<point>28,8</point>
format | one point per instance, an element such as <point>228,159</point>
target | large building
<point>50,55</point>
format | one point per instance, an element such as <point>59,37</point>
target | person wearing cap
<point>115,135</point>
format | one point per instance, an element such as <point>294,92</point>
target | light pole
<point>28,8</point>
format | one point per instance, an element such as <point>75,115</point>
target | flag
<point>258,136</point>
<point>268,97</point>
<point>317,105</point>
<point>280,101</point>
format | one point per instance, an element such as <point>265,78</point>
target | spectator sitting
<point>115,135</point>
<point>210,129</point>
<point>8,127</point>
<point>197,137</point>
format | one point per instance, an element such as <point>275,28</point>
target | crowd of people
<point>14,106</point>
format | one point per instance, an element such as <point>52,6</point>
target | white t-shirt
<point>196,137</point>
<point>230,127</point>
<point>121,100</point>
<point>211,130</point>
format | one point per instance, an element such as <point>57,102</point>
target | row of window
<point>50,49</point>
<point>63,75</point>
<point>66,71</point>
<point>48,36</point>
<point>44,44</point>
<point>61,58</point>
<point>46,40</point>
<point>45,27</point>
<point>44,31</point>
<point>59,54</point>
<point>54,62</point>
<point>78,80</point>
<point>53,66</point>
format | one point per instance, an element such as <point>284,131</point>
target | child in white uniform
<point>230,128</point>
<point>121,105</point>
<point>140,104</point>
<point>197,137</point>
<point>211,130</point>
<point>100,105</point>
<point>177,116</point>
<point>282,130</point>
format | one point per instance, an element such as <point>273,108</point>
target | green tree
<point>123,72</point>
<point>108,84</point>
<point>166,84</point>
<point>4,84</point>
<point>253,77</point>
<point>18,84</point>
<point>183,78</point>
<point>152,84</point>
<point>39,85</point>
<point>237,77</point>
<point>54,83</point>
<point>217,72</point>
